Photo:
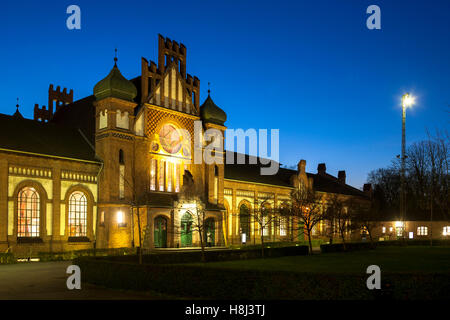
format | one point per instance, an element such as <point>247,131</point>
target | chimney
<point>341,176</point>
<point>367,189</point>
<point>321,168</point>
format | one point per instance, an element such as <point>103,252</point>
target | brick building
<point>70,178</point>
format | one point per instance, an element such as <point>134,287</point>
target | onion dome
<point>210,113</point>
<point>115,85</point>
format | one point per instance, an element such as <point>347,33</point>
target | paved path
<point>47,280</point>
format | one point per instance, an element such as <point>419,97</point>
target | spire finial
<point>17,105</point>
<point>209,91</point>
<point>115,57</point>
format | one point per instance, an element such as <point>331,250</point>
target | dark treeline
<point>426,179</point>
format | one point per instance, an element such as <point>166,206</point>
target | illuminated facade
<point>70,178</point>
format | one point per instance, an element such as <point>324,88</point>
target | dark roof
<point>252,173</point>
<point>79,114</point>
<point>330,184</point>
<point>43,138</point>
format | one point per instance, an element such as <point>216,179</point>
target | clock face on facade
<point>170,138</point>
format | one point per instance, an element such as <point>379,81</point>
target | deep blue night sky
<point>310,68</point>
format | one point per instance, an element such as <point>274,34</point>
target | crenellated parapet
<point>56,98</point>
<point>166,83</point>
<point>60,98</point>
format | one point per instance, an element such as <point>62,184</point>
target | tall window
<point>216,183</point>
<point>78,215</point>
<point>169,168</point>
<point>265,226</point>
<point>28,205</point>
<point>153,174</point>
<point>121,175</point>
<point>177,177</point>
<point>162,171</point>
<point>283,228</point>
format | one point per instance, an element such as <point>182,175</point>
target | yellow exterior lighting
<point>407,100</point>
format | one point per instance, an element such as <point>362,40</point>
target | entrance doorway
<point>210,232</point>
<point>186,230</point>
<point>160,232</point>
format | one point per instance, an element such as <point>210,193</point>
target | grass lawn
<point>420,259</point>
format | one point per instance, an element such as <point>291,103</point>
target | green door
<point>186,230</point>
<point>210,232</point>
<point>160,232</point>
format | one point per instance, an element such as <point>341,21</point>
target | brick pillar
<point>3,204</point>
<point>56,200</point>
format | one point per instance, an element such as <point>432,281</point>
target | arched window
<point>77,215</point>
<point>244,219</point>
<point>28,217</point>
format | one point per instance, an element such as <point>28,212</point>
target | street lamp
<point>407,101</point>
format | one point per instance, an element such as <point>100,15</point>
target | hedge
<point>221,283</point>
<point>351,246</point>
<point>7,258</point>
<point>70,255</point>
<point>213,255</point>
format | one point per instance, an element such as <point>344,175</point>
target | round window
<point>170,138</point>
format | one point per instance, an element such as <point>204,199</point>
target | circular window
<point>170,138</point>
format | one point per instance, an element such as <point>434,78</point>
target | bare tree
<point>264,215</point>
<point>306,207</point>
<point>337,213</point>
<point>193,194</point>
<point>364,217</point>
<point>138,200</point>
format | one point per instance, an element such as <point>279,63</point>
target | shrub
<point>351,246</point>
<point>213,256</point>
<point>70,255</point>
<point>7,258</point>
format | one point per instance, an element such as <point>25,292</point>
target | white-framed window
<point>446,231</point>
<point>383,229</point>
<point>28,216</point>
<point>283,226</point>
<point>422,231</point>
<point>77,215</point>
<point>265,226</point>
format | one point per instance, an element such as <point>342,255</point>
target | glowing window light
<point>446,231</point>
<point>120,217</point>
<point>177,177</point>
<point>161,175</point>
<point>153,174</point>
<point>422,231</point>
<point>169,171</point>
<point>411,234</point>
